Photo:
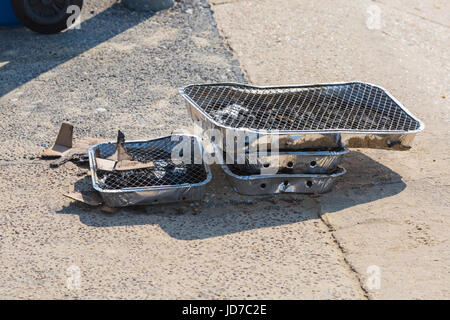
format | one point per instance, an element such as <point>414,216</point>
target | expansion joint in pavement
<point>350,267</point>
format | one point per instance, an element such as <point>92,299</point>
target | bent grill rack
<point>294,140</point>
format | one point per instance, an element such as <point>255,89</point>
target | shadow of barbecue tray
<point>225,212</point>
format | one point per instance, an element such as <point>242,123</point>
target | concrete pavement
<point>388,216</point>
<point>391,212</point>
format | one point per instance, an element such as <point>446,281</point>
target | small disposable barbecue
<point>284,162</point>
<point>312,117</point>
<point>160,178</point>
<point>283,172</point>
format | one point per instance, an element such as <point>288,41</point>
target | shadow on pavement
<point>18,46</point>
<point>366,181</point>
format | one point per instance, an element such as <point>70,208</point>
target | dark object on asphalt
<point>148,5</point>
<point>47,16</point>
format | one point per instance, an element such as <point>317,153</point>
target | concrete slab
<point>392,209</point>
<point>227,247</point>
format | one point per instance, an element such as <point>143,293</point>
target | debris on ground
<point>91,198</point>
<point>64,150</point>
<point>62,144</point>
<point>121,160</point>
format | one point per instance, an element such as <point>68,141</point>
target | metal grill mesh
<point>350,106</point>
<point>165,171</point>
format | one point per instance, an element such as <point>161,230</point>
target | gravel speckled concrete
<point>227,247</point>
<point>391,210</point>
<point>122,70</point>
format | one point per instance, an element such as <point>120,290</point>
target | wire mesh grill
<point>350,106</point>
<point>166,171</point>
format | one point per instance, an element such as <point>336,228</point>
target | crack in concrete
<point>219,2</point>
<point>413,14</point>
<point>350,267</point>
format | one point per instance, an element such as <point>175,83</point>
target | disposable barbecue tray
<point>290,162</point>
<point>246,183</point>
<point>283,162</point>
<point>167,180</point>
<point>318,117</point>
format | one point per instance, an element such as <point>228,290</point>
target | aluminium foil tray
<point>263,184</point>
<point>167,181</point>
<point>291,162</point>
<point>305,117</point>
<point>283,162</point>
